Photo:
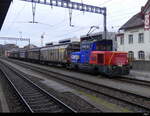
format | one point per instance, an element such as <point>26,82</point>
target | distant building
<point>134,35</point>
<point>7,47</point>
<point>29,46</point>
<point>10,46</point>
<point>2,50</point>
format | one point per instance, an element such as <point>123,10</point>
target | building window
<point>130,39</point>
<point>121,40</point>
<point>141,38</point>
<point>131,55</point>
<point>141,55</point>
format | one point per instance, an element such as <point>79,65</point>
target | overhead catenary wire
<point>77,30</point>
<point>16,17</point>
<point>105,2</point>
<point>59,24</point>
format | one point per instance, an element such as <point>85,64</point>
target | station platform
<point>140,75</point>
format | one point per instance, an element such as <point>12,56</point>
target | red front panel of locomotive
<point>109,58</point>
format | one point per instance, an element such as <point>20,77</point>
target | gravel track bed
<point>69,98</point>
<point>38,100</point>
<point>134,81</point>
<point>111,100</point>
<point>115,93</point>
<point>12,99</point>
<point>126,96</point>
<point>72,100</point>
<point>1,106</point>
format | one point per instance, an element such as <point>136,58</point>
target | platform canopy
<point>4,6</point>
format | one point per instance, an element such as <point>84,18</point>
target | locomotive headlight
<point>120,65</point>
<point>113,67</point>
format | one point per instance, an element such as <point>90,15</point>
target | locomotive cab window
<point>103,47</point>
<point>85,46</point>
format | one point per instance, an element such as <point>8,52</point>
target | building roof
<point>146,7</point>
<point>136,21</point>
<point>4,6</point>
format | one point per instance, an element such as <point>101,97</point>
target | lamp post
<point>20,34</point>
<point>42,37</point>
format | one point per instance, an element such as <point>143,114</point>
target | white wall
<point>135,47</point>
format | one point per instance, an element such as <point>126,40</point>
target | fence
<point>141,65</point>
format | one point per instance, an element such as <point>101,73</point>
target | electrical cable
<point>18,14</point>
<point>105,2</point>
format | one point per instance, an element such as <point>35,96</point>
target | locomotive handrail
<point>111,57</point>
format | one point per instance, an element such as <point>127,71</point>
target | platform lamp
<point>42,37</point>
<point>20,34</point>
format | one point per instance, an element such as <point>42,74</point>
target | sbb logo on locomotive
<point>76,57</point>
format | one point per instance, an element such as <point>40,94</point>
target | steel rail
<point>55,75</point>
<point>134,81</point>
<point>67,108</point>
<point>23,101</point>
<point>46,71</point>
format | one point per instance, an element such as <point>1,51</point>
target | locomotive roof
<point>35,49</point>
<point>94,41</point>
<point>61,44</point>
<point>22,49</point>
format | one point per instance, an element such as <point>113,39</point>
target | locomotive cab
<point>111,63</point>
<point>99,56</point>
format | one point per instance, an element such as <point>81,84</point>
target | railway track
<point>121,95</point>
<point>134,81</point>
<point>33,97</point>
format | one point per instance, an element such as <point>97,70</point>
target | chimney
<point>142,8</point>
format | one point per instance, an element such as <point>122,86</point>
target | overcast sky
<point>54,22</point>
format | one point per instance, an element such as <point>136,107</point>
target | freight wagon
<point>58,54</point>
<point>34,55</point>
<point>14,54</point>
<point>22,54</point>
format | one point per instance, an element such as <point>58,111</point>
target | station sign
<point>147,21</point>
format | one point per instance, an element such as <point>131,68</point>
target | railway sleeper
<point>43,105</point>
<point>40,102</point>
<point>40,97</point>
<point>50,109</point>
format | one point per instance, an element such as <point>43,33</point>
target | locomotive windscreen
<point>104,45</point>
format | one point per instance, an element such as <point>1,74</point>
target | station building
<point>134,35</point>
